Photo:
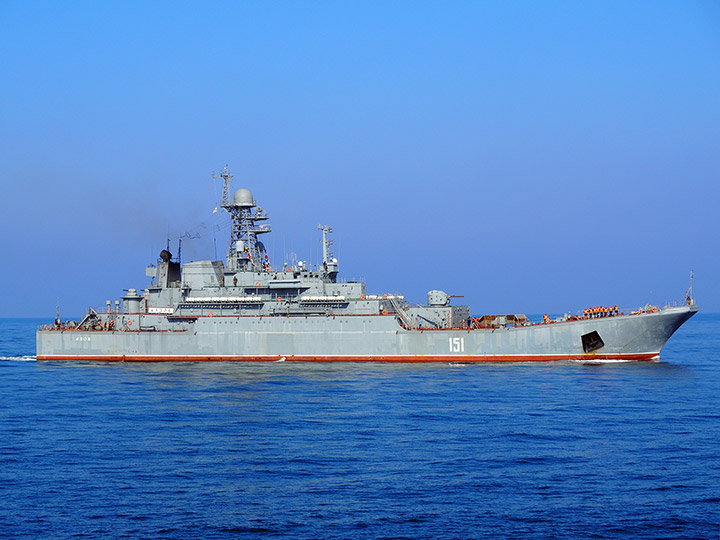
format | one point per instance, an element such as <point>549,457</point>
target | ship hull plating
<point>365,339</point>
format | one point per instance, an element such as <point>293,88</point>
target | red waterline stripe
<point>378,358</point>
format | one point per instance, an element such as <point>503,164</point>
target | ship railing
<point>647,308</point>
<point>679,303</point>
<point>352,280</point>
<point>101,310</point>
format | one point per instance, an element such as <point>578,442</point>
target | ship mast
<point>330,263</point>
<point>227,178</point>
<point>327,242</point>
<point>245,252</point>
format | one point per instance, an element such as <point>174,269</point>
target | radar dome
<point>243,197</point>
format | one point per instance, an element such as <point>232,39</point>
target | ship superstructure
<point>247,309</point>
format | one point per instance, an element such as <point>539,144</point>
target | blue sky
<point>531,156</point>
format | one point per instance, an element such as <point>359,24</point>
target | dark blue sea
<point>285,450</point>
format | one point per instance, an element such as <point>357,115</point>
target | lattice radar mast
<point>245,252</point>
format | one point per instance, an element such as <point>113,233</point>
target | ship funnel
<point>131,301</point>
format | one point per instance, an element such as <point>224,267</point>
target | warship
<point>245,309</point>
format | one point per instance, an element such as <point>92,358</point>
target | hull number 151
<point>457,344</point>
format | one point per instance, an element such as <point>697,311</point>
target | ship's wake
<point>601,361</point>
<point>19,358</point>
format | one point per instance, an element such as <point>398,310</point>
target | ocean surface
<point>285,450</point>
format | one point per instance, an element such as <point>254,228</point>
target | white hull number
<point>457,344</point>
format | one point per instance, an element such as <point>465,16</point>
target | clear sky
<point>531,156</point>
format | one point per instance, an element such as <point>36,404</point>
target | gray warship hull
<point>244,309</point>
<point>371,338</point>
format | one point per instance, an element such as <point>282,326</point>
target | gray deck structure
<point>246,310</point>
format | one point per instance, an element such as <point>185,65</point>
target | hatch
<point>592,342</point>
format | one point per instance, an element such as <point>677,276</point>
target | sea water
<point>286,450</point>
